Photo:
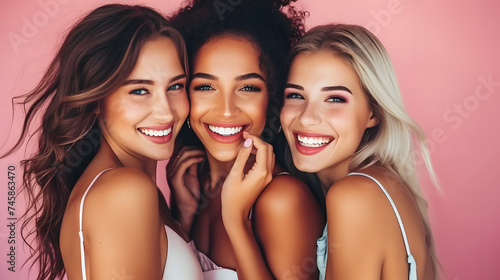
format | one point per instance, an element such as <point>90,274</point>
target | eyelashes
<point>203,87</point>
<point>250,88</point>
<point>144,91</point>
<point>336,99</point>
<point>330,99</point>
<point>176,87</point>
<point>247,88</point>
<point>294,96</point>
<point>139,91</point>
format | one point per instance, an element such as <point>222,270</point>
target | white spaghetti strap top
<point>181,259</point>
<point>322,242</point>
<point>80,232</point>
<point>411,261</point>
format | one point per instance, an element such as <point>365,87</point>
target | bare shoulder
<point>122,225</point>
<point>357,192</point>
<point>122,194</point>
<point>357,202</point>
<point>284,194</point>
<point>122,183</point>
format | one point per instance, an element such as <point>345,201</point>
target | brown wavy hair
<point>97,55</point>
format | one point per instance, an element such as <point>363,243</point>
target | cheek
<point>287,114</point>
<point>198,107</point>
<point>180,106</point>
<point>120,110</point>
<point>258,111</point>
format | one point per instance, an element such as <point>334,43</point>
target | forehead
<point>322,67</point>
<point>228,52</point>
<point>158,58</point>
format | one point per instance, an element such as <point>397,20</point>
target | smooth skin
<point>324,96</point>
<point>228,88</point>
<point>123,232</point>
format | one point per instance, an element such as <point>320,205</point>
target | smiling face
<point>228,94</point>
<point>143,116</point>
<point>325,113</point>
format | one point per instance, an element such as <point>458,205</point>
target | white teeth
<point>225,131</point>
<point>313,141</point>
<point>157,133</point>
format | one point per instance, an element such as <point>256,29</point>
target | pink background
<point>446,55</point>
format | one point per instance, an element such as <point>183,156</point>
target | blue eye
<point>176,87</point>
<point>336,99</point>
<point>250,88</point>
<point>294,96</point>
<point>139,91</point>
<point>204,87</point>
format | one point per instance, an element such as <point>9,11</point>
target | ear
<point>372,121</point>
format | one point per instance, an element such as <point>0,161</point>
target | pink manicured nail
<point>247,143</point>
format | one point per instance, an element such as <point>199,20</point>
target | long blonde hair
<point>390,144</point>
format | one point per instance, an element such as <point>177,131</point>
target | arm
<point>355,230</point>
<point>239,193</point>
<point>122,227</point>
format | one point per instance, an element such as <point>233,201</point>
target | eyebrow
<point>205,76</point>
<point>238,78</point>
<point>249,76</point>
<point>150,82</point>
<point>331,88</point>
<point>138,81</point>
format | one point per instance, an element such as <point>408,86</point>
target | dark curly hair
<point>272,26</point>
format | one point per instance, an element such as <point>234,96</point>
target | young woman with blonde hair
<point>346,126</point>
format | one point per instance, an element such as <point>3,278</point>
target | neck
<point>121,158</point>
<point>332,174</point>
<point>218,171</point>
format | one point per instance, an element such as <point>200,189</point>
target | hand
<point>240,190</point>
<point>182,177</point>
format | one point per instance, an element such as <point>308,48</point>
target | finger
<point>175,161</point>
<point>193,170</point>
<point>186,165</point>
<point>242,157</point>
<point>176,176</point>
<point>270,159</point>
<point>190,153</point>
<point>261,156</point>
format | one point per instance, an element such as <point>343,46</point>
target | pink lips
<point>310,150</point>
<point>158,139</point>
<point>229,138</point>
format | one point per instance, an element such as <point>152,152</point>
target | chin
<point>306,166</point>
<point>224,156</point>
<point>163,155</point>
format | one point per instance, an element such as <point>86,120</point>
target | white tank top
<point>181,262</point>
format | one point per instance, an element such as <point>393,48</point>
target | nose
<point>226,104</point>
<point>162,109</point>
<point>309,115</point>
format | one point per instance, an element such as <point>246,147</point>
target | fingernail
<point>247,143</point>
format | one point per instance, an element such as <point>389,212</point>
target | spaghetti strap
<point>410,258</point>
<point>80,233</point>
